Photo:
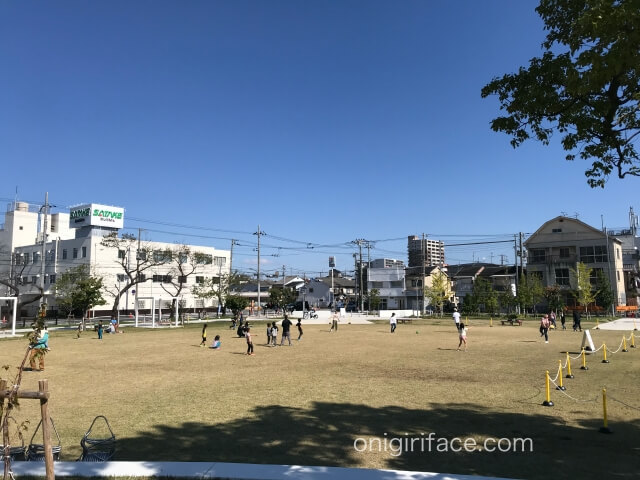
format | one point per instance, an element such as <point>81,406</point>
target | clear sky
<point>321,121</point>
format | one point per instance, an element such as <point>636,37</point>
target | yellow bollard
<point>605,425</point>
<point>597,324</point>
<point>584,360</point>
<point>560,386</point>
<point>604,352</point>
<point>569,374</point>
<point>633,340</point>
<point>624,344</point>
<point>634,324</point>
<point>547,402</point>
<point>491,322</point>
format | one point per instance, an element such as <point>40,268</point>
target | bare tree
<point>134,268</point>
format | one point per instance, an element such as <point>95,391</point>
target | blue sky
<point>320,121</point>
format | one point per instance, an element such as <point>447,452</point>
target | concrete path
<point>231,471</point>
<point>620,324</point>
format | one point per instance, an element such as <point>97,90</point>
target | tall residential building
<point>425,252</point>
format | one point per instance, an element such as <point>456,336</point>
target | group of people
<point>244,330</point>
<point>549,319</point>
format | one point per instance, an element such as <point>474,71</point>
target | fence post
<point>547,402</point>
<point>604,350</point>
<point>605,425</point>
<point>43,387</point>
<point>569,374</point>
<point>584,360</point>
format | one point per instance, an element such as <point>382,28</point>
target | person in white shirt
<point>456,318</point>
<point>393,321</point>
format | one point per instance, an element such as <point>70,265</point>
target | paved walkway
<point>620,324</point>
<point>231,471</point>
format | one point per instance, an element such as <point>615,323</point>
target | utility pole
<point>258,233</point>
<point>233,242</point>
<point>424,274</point>
<point>283,276</point>
<point>359,242</point>
<point>44,247</point>
<point>137,284</point>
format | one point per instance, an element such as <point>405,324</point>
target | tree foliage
<point>530,291</point>
<point>583,293</point>
<point>585,86</point>
<point>280,296</point>
<point>554,297</point>
<point>236,303</point>
<point>604,295</point>
<point>438,292</point>
<point>78,291</point>
<point>373,299</point>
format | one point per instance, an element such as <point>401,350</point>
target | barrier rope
<point>625,404</point>
<point>619,347</point>
<point>553,380</point>
<point>595,399</point>
<point>576,357</point>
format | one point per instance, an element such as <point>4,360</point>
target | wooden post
<point>43,387</point>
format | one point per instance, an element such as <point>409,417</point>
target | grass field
<point>168,399</point>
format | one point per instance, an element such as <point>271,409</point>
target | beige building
<point>556,248</point>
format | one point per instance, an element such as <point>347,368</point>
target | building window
<point>34,279</point>
<point>182,279</point>
<point>36,257</point>
<point>593,277</point>
<point>376,284</point>
<point>122,254</point>
<point>202,259</point>
<point>157,278</point>
<point>219,261</point>
<point>596,254</point>
<point>199,279</point>
<point>52,279</point>
<point>537,255</point>
<point>396,284</point>
<point>122,277</point>
<point>75,253</point>
<point>182,258</point>
<point>562,276</point>
<point>166,279</point>
<point>64,253</point>
<point>161,256</point>
<point>25,280</point>
<point>84,252</point>
<point>142,277</point>
<point>556,230</point>
<point>565,252</point>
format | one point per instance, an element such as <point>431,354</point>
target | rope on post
<point>547,402</point>
<point>584,360</point>
<point>604,353</point>
<point>569,374</point>
<point>605,425</point>
<point>559,377</point>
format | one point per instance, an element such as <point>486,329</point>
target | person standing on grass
<point>393,321</point>
<point>562,320</point>
<point>576,321</point>
<point>334,322</point>
<point>247,335</point>
<point>456,318</point>
<point>299,325</point>
<point>268,334</point>
<point>204,336</point>
<point>286,330</point>
<point>463,336</point>
<point>274,334</point>
<point>100,330</point>
<point>544,327</point>
<point>552,318</point>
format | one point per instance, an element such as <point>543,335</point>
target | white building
<point>77,239</point>
<point>387,276</point>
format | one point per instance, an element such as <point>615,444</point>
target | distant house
<point>319,291</point>
<point>463,276</point>
<point>556,248</point>
<point>416,278</point>
<point>387,276</point>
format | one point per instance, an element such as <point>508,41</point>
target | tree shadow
<point>324,435</point>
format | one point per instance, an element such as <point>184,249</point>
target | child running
<point>203,343</point>
<point>299,325</point>
<point>247,335</point>
<point>463,336</point>
<point>216,343</point>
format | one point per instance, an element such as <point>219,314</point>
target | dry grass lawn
<point>168,399</point>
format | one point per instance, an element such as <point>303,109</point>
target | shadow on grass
<point>325,433</point>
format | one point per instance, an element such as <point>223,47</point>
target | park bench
<point>406,320</point>
<point>512,321</point>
